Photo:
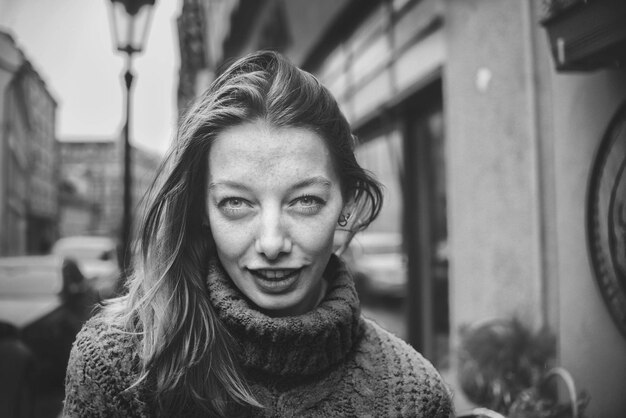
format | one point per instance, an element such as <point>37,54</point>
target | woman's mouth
<point>274,274</point>
<point>275,280</point>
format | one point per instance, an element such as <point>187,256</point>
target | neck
<point>291,345</point>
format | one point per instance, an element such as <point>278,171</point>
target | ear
<point>348,212</point>
<point>343,232</point>
<point>348,206</point>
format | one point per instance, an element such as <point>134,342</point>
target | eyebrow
<point>313,181</point>
<point>227,183</point>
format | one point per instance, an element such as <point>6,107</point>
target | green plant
<point>541,400</point>
<point>505,366</point>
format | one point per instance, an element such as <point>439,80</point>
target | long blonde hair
<point>185,350</point>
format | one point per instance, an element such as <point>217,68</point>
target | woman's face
<point>273,201</point>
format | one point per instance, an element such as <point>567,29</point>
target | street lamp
<point>130,20</point>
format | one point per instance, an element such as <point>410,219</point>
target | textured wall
<point>521,143</point>
<point>493,198</point>
<point>590,345</point>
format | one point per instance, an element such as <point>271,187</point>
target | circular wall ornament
<point>606,218</point>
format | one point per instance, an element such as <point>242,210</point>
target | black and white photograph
<point>328,208</point>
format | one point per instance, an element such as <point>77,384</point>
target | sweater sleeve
<point>100,374</point>
<point>407,383</point>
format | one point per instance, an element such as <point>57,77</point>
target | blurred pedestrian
<point>238,305</point>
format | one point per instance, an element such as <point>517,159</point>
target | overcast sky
<point>69,44</point>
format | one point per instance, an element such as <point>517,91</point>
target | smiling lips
<point>275,274</point>
<point>276,281</point>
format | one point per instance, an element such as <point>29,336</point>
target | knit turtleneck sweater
<point>301,345</point>
<point>330,362</point>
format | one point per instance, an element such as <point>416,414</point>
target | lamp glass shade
<point>130,21</point>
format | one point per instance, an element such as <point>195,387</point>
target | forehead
<point>258,152</point>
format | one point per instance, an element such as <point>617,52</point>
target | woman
<point>238,306</point>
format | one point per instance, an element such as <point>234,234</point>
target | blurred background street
<point>498,129</point>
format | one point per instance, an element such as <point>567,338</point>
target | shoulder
<point>403,373</point>
<point>395,352</point>
<point>103,365</point>
<point>101,345</point>
<point>100,335</point>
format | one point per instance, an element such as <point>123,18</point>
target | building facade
<point>491,149</point>
<point>92,185</point>
<point>28,156</point>
<point>210,34</point>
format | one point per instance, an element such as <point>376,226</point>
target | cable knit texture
<point>330,362</point>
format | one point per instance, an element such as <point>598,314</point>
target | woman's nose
<point>272,240</point>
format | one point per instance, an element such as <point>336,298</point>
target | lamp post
<point>130,21</point>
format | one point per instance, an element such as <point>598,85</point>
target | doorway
<point>425,224</point>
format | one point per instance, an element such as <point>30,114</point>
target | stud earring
<point>343,219</point>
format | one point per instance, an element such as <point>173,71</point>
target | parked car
<point>44,300</point>
<point>96,257</point>
<point>379,264</point>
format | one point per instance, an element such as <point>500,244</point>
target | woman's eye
<point>308,201</point>
<point>234,202</point>
<point>308,204</point>
<point>234,206</point>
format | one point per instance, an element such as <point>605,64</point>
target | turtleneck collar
<point>296,345</point>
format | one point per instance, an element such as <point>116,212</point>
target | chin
<point>279,306</point>
<point>277,309</point>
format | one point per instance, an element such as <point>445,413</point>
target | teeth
<point>275,274</point>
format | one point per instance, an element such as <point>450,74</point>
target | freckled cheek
<point>231,241</point>
<point>315,237</point>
